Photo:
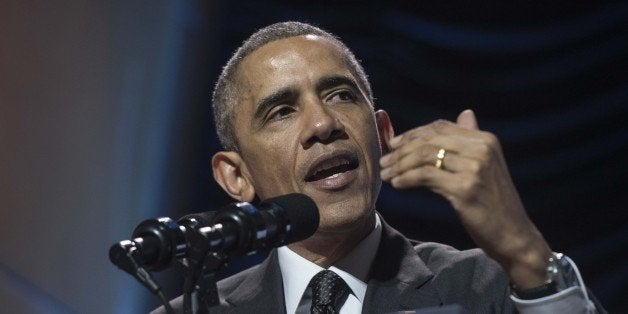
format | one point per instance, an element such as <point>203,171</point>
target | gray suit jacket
<point>405,275</point>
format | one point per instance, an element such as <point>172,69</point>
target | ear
<point>232,175</point>
<point>385,130</point>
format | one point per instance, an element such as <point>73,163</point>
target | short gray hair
<point>227,89</point>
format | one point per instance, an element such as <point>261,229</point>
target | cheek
<point>367,136</point>
<point>271,169</point>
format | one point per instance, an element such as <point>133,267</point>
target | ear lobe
<point>231,174</point>
<point>385,130</point>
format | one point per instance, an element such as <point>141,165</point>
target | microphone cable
<point>124,253</point>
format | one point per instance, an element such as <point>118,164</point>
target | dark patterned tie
<point>329,292</point>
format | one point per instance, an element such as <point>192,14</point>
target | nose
<point>320,125</point>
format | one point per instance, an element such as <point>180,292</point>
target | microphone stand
<point>200,291</point>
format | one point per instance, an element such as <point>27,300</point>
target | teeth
<point>335,175</point>
<point>334,164</point>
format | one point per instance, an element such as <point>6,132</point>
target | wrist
<point>527,267</point>
<point>559,275</point>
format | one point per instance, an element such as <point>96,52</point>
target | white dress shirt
<point>297,272</point>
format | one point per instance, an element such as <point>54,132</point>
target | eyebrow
<point>327,82</point>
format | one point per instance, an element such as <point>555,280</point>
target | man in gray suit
<point>295,113</point>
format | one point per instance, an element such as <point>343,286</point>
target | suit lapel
<point>399,279</point>
<point>261,291</point>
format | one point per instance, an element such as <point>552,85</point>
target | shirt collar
<point>297,271</point>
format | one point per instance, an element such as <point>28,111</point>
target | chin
<point>343,220</point>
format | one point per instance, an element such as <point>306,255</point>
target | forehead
<point>288,62</point>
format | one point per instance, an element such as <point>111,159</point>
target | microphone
<point>236,229</point>
<point>241,228</point>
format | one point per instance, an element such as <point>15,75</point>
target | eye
<point>279,112</point>
<point>343,96</point>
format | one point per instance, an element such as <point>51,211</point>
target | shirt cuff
<point>570,300</point>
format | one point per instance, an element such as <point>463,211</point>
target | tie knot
<point>329,292</point>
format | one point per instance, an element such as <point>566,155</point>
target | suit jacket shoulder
<point>408,275</point>
<point>469,278</point>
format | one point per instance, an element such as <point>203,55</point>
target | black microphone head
<point>300,212</point>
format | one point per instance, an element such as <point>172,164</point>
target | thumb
<point>467,120</point>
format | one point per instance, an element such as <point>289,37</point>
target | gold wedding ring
<point>439,158</point>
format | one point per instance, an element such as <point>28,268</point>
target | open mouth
<point>332,167</point>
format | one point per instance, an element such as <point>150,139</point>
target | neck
<point>326,248</point>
